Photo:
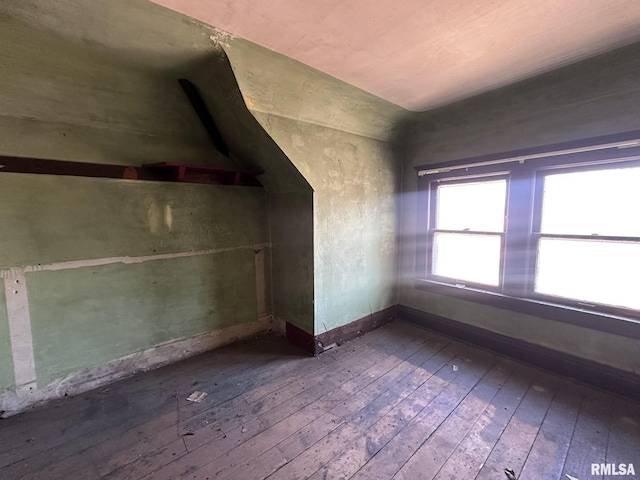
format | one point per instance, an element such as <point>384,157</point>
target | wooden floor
<point>400,402</point>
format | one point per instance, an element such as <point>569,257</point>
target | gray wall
<point>592,98</point>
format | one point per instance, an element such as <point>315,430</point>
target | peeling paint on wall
<point>7,377</point>
<point>168,216</point>
<point>220,37</point>
<point>15,288</point>
<point>96,376</point>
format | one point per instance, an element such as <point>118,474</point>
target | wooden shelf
<point>163,172</point>
<point>182,172</point>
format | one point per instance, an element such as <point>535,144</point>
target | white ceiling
<point>421,54</point>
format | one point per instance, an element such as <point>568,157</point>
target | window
<point>588,248</point>
<point>561,229</point>
<point>467,237</point>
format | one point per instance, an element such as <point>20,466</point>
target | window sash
<point>460,280</point>
<point>432,231</point>
<point>586,270</point>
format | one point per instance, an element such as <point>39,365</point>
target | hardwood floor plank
<point>384,375</point>
<point>106,456</point>
<point>326,377</point>
<point>470,455</point>
<point>624,435</point>
<point>396,452</point>
<point>389,404</point>
<point>298,416</point>
<point>432,359</point>
<point>109,413</point>
<point>590,436</point>
<point>363,374</point>
<point>547,456</point>
<point>261,466</point>
<point>516,440</point>
<point>192,461</point>
<point>357,348</point>
<point>374,405</point>
<point>221,362</point>
<point>372,439</point>
<point>247,451</point>
<point>315,457</point>
<point>297,443</point>
<point>352,362</point>
<point>434,452</point>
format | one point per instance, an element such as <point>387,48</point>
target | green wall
<point>49,219</point>
<point>100,85</point>
<point>291,216</point>
<point>69,93</point>
<point>341,140</point>
<point>331,173</point>
<point>88,316</point>
<point>355,189</point>
<point>596,97</point>
<point>290,195</point>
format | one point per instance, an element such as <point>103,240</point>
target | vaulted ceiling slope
<point>422,54</point>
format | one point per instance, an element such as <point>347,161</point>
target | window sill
<point>617,325</point>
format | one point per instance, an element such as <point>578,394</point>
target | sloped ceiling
<point>422,54</point>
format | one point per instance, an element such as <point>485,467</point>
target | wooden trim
<point>301,338</point>
<point>555,147</point>
<point>182,172</point>
<point>521,240</point>
<point>167,172</point>
<point>43,166</point>
<point>192,93</point>
<point>352,330</point>
<point>616,325</point>
<point>327,340</point>
<point>583,370</point>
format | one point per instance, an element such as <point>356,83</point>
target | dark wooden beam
<point>204,115</point>
<point>164,172</point>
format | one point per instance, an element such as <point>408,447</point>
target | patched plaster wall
<point>149,266</point>
<point>105,277</point>
<point>341,139</point>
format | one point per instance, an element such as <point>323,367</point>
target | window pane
<point>593,271</point>
<point>603,202</point>
<point>476,206</point>
<point>474,258</point>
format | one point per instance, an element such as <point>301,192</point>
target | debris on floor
<point>196,397</point>
<point>511,475</point>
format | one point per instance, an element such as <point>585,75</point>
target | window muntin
<point>557,247</point>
